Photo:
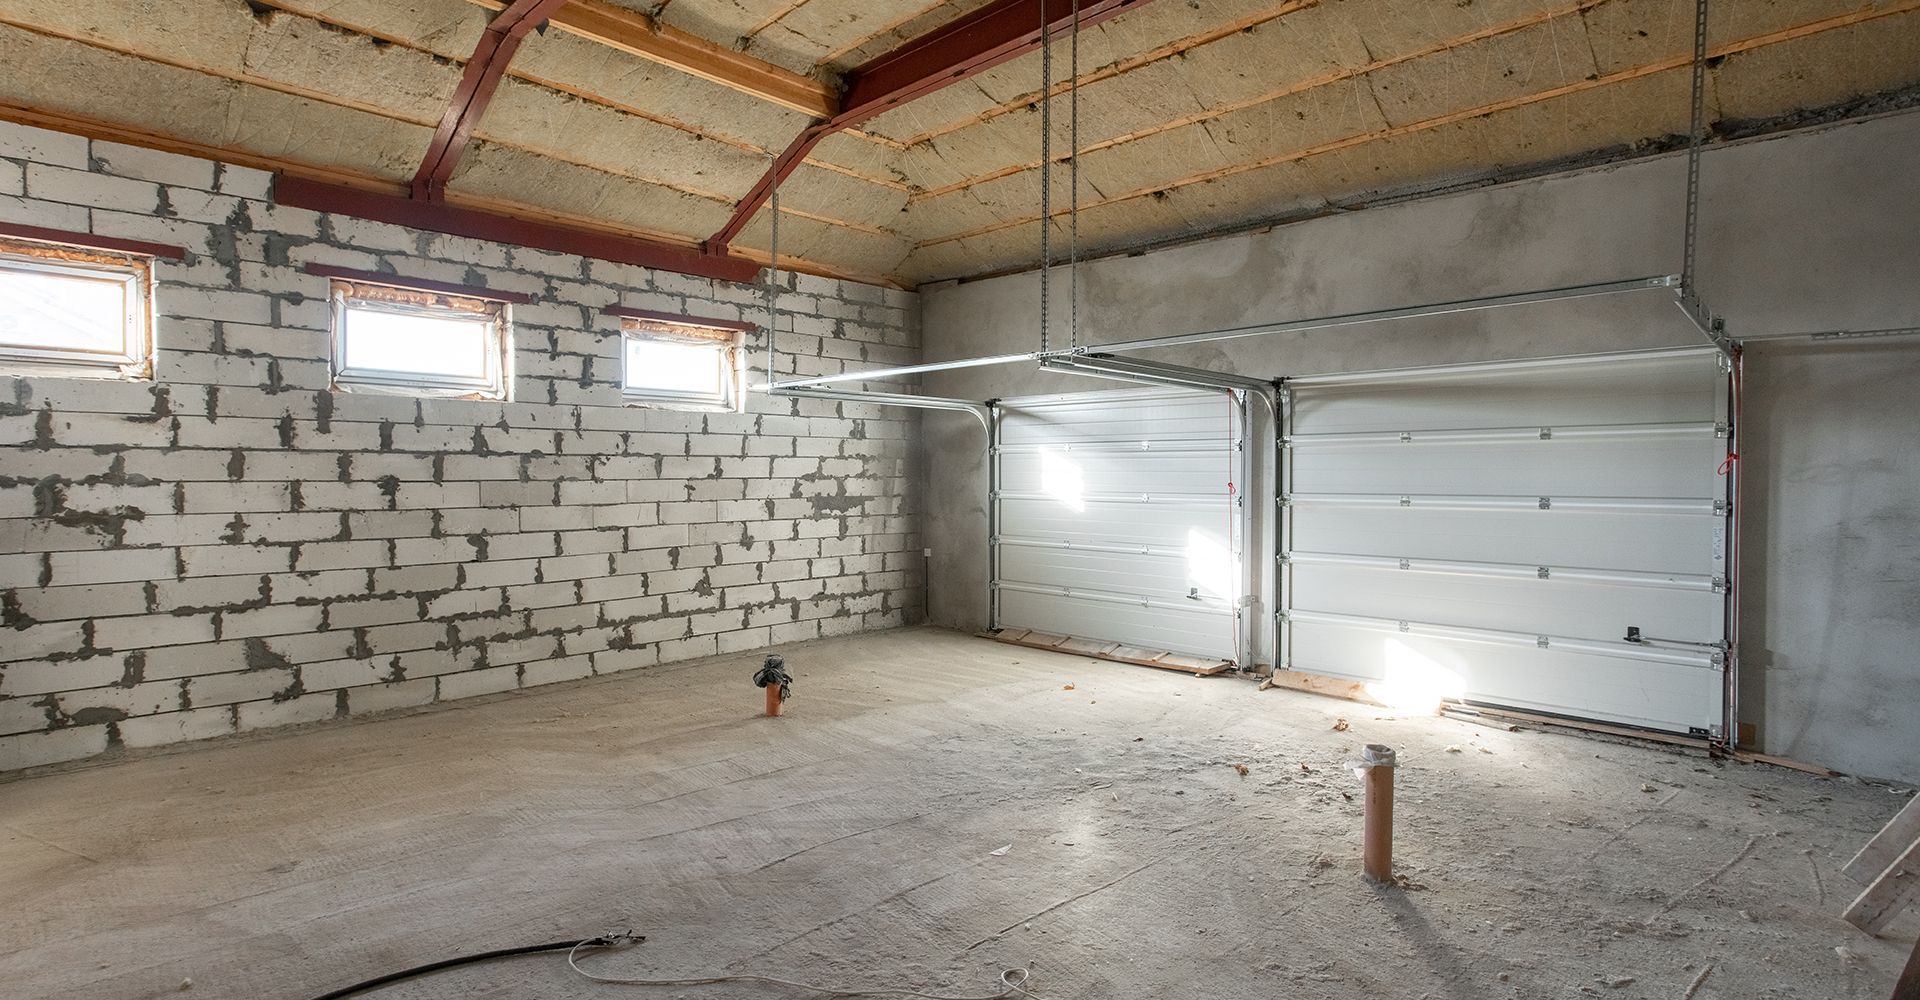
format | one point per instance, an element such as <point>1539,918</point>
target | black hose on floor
<point>448,963</point>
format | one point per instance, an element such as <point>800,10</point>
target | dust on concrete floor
<point>853,841</point>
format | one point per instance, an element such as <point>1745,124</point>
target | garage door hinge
<point>1406,501</point>
<point>1283,501</point>
<point>1719,506</point>
<point>1719,584</point>
<point>1406,436</point>
<point>1546,433</point>
<point>1721,430</point>
<point>1546,503</point>
<point>1406,564</point>
<point>1543,642</point>
<point>1404,627</point>
<point>1544,572</point>
<point>1719,661</point>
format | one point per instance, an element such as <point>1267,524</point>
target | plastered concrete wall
<point>1811,231</point>
<point>232,546</point>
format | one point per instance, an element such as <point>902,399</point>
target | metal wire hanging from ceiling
<point>1046,179</point>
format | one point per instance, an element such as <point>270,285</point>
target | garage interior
<point>966,499</point>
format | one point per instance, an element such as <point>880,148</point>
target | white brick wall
<point>233,546</point>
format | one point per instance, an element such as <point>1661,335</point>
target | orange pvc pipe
<point>773,700</point>
<point>1377,837</point>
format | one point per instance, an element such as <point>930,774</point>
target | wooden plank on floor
<point>1102,650</point>
<point>1332,687</point>
<point>1087,647</point>
<point>1893,891</point>
<point>1749,757</point>
<point>1886,845</point>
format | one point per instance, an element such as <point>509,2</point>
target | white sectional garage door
<point>1491,533</point>
<point>1115,518</point>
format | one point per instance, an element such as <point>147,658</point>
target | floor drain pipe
<point>1376,772</point>
<point>773,676</point>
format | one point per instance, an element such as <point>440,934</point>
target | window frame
<point>346,296</point>
<point>729,343</point>
<point>132,271</point>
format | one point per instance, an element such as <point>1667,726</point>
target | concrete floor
<point>852,841</point>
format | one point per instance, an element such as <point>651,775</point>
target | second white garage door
<point>1492,533</point>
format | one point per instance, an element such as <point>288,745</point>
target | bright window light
<point>679,364</point>
<point>73,311</point>
<point>402,340</point>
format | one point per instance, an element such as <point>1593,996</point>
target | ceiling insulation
<point>1196,115</point>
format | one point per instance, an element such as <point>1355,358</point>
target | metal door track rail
<point>1825,335</point>
<point>979,410</point>
<point>1560,294</point>
<point>1154,373</point>
<point>1367,378</point>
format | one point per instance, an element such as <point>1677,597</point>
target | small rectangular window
<point>680,363</point>
<point>74,311</point>
<point>396,339</point>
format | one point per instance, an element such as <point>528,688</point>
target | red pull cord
<point>1727,466</point>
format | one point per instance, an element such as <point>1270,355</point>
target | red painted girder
<point>440,217</point>
<point>477,84</point>
<point>940,58</point>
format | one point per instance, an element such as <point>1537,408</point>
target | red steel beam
<point>940,58</point>
<point>628,312</point>
<point>417,284</point>
<point>477,83</point>
<point>91,241</point>
<point>441,217</point>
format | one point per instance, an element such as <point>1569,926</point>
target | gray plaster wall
<point>1810,231</point>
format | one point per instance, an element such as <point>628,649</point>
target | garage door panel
<point>1564,603</point>
<point>1198,630</point>
<point>1165,525</point>
<point>1132,472</point>
<point>1599,539</point>
<point>1618,466</point>
<point>1165,577</point>
<point>1671,693</point>
<point>1653,389</point>
<point>1123,418</point>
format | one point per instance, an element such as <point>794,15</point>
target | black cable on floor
<point>448,963</point>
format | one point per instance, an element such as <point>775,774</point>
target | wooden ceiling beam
<point>637,34</point>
